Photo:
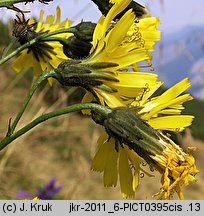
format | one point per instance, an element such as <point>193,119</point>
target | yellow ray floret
<point>113,163</point>
<point>126,42</point>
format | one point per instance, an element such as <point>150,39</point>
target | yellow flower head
<point>117,48</point>
<point>112,159</point>
<point>42,55</point>
<point>108,87</point>
<point>125,42</point>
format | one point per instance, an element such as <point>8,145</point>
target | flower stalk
<point>73,108</point>
<point>9,47</point>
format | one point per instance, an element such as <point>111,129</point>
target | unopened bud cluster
<point>79,45</point>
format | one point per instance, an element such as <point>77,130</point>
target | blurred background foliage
<point>63,148</point>
<point>5,31</point>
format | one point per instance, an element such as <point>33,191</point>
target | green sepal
<point>75,73</point>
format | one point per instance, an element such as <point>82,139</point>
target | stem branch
<point>42,118</point>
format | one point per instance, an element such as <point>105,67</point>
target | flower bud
<point>84,31</point>
<point>75,48</point>
<point>79,45</point>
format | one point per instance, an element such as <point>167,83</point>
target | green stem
<point>18,50</point>
<point>40,119</point>
<point>59,39</point>
<point>40,79</point>
<point>60,31</point>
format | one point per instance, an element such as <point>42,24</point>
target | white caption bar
<point>102,207</point>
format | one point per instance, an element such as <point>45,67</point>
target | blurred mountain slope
<point>180,55</point>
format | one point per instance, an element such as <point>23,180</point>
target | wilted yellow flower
<point>177,168</point>
<point>43,55</point>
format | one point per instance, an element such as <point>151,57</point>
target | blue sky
<point>173,14</point>
<point>176,14</point>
